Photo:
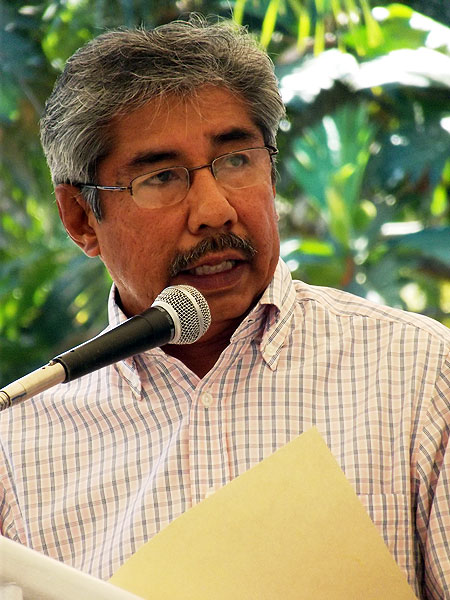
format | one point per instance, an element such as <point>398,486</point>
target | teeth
<point>226,265</point>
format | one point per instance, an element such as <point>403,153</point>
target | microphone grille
<point>189,311</point>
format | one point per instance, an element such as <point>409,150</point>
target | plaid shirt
<point>92,469</point>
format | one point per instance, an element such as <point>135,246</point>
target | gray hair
<point>124,69</point>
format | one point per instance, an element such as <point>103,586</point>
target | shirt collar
<point>127,367</point>
<point>279,300</point>
<point>268,321</point>
<point>116,316</point>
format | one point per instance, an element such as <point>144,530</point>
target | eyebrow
<point>148,157</point>
<point>151,157</point>
<point>236,133</point>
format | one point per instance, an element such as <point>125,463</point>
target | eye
<point>235,161</point>
<point>163,177</point>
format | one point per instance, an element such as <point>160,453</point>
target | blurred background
<point>364,165</point>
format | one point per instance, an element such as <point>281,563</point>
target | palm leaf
<point>315,18</point>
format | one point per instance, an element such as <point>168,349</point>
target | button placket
<point>208,455</point>
<point>211,490</point>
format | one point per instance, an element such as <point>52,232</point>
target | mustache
<point>223,241</point>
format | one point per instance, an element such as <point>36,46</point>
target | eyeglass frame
<point>120,188</point>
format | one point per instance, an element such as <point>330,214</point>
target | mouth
<point>207,269</point>
<point>214,264</point>
<point>214,275</point>
<point>213,255</point>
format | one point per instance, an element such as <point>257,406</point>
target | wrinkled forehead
<point>205,102</point>
<point>173,128</point>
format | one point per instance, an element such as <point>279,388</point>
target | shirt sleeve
<point>433,486</point>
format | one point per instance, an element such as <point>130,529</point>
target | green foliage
<point>329,161</point>
<point>364,169</point>
<point>364,185</point>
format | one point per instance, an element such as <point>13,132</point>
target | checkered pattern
<point>94,468</point>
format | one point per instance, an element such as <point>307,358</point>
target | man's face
<point>138,245</point>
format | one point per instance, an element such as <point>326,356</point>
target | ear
<point>78,218</point>
<point>277,216</point>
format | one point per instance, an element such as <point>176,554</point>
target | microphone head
<point>189,312</point>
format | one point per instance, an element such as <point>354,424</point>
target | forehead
<point>211,119</point>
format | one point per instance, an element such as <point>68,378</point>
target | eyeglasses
<point>165,187</point>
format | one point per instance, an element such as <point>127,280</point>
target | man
<point>161,146</point>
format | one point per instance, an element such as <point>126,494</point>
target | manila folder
<point>291,527</point>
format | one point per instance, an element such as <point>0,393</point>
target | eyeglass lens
<point>235,170</point>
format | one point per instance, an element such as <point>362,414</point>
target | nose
<point>209,206</point>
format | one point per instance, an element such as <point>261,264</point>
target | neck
<point>203,355</point>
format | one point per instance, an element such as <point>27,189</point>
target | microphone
<point>179,315</point>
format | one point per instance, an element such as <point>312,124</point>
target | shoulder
<point>346,307</point>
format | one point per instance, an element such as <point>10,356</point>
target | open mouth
<point>211,277</point>
<point>214,256</point>
<point>225,265</point>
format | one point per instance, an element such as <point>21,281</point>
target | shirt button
<point>210,492</point>
<point>206,399</point>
